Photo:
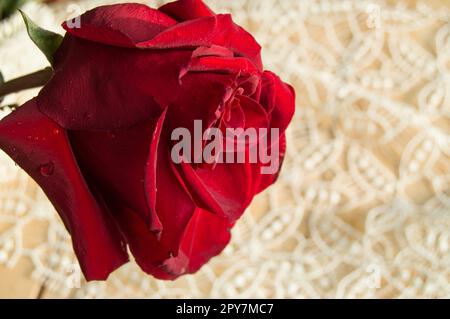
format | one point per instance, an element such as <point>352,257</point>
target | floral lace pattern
<point>362,207</point>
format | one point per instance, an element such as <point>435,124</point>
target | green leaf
<point>48,42</point>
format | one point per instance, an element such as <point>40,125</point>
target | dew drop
<point>56,131</point>
<point>47,169</point>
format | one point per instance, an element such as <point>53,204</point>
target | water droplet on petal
<point>19,123</point>
<point>56,131</point>
<point>47,169</point>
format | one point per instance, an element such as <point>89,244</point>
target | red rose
<point>98,140</point>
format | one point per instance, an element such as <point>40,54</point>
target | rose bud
<point>98,138</point>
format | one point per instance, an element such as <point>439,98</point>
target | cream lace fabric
<point>362,207</point>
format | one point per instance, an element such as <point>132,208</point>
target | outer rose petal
<point>120,24</point>
<point>143,244</point>
<point>105,87</point>
<point>216,30</point>
<point>255,114</point>
<point>175,209</point>
<point>206,236</point>
<point>183,10</point>
<point>117,160</point>
<point>279,100</point>
<point>214,188</point>
<point>42,149</point>
<point>151,171</point>
<point>219,76</point>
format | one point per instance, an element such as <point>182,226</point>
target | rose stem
<point>25,82</point>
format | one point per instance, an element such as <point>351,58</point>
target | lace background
<point>362,207</point>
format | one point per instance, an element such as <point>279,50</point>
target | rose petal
<point>205,237</point>
<point>255,115</point>
<point>214,188</point>
<point>279,100</point>
<point>116,160</point>
<point>183,10</point>
<point>151,171</point>
<point>191,103</point>
<point>95,90</point>
<point>143,244</point>
<point>120,24</point>
<point>42,149</point>
<point>222,65</point>
<point>266,180</point>
<point>236,116</point>
<point>214,50</point>
<point>174,204</point>
<point>118,176</point>
<point>216,30</point>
